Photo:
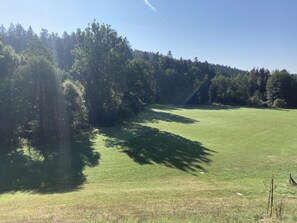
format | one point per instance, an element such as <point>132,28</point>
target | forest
<point>54,86</point>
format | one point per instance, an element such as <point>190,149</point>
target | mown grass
<point>171,164</point>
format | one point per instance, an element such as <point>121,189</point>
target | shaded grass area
<point>147,145</point>
<point>154,116</point>
<point>60,169</point>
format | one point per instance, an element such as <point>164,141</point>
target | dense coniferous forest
<point>52,85</point>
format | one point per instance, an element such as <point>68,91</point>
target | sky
<point>237,33</point>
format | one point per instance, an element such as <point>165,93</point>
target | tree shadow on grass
<point>60,169</point>
<point>208,106</point>
<point>152,116</point>
<point>229,107</point>
<point>212,107</point>
<point>146,145</point>
<point>166,107</point>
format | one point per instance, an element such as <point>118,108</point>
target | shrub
<point>75,105</point>
<point>279,103</point>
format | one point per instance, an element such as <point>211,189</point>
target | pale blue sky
<point>237,33</point>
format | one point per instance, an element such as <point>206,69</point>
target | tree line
<point>52,86</point>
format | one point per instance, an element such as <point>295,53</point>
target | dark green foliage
<point>138,54</point>
<point>141,81</point>
<point>179,81</point>
<point>61,47</point>
<point>17,37</point>
<point>229,90</point>
<point>100,64</point>
<point>8,126</point>
<point>257,83</point>
<point>8,60</point>
<point>243,89</point>
<point>279,103</point>
<point>225,70</point>
<point>37,48</point>
<point>41,108</point>
<point>75,105</point>
<point>200,94</point>
<point>32,103</point>
<point>282,85</point>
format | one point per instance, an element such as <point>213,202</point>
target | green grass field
<point>170,164</point>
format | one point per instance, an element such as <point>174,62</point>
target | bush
<point>255,100</point>
<point>279,103</point>
<point>75,105</point>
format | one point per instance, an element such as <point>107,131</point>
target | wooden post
<point>271,201</point>
<point>268,205</point>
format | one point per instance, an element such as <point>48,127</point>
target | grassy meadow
<point>169,164</point>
